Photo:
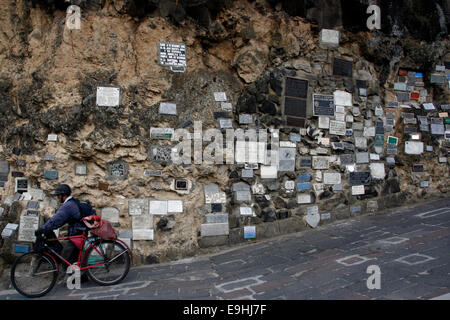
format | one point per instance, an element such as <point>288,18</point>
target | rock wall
<point>269,58</point>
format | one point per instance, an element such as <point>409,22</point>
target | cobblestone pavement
<point>410,245</point>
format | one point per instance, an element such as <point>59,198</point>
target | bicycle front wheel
<point>33,274</point>
<point>108,262</point>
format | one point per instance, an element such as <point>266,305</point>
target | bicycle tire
<point>122,257</point>
<point>51,270</point>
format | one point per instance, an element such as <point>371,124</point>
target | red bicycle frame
<point>83,250</point>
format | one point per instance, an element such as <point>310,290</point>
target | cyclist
<point>68,213</point>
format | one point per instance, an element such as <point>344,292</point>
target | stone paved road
<point>410,245</point>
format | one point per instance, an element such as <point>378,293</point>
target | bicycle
<point>106,262</point>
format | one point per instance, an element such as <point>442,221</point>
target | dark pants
<point>70,251</point>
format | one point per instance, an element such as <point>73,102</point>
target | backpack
<point>86,209</point>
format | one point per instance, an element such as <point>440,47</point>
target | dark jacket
<point>69,213</point>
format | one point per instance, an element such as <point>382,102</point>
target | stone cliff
<point>383,144</point>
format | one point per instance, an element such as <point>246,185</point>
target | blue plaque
<point>304,177</point>
<point>303,186</point>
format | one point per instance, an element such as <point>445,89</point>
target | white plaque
<point>168,108</point>
<point>158,207</point>
<point>175,206</point>
<point>219,197</point>
<point>246,211</point>
<point>338,128</point>
<point>332,178</point>
<point>52,137</point>
<point>111,214</point>
<point>108,96</point>
<point>342,98</point>
<point>142,234</point>
<point>324,122</point>
<point>358,190</point>
<point>220,96</point>
<point>226,106</point>
<point>413,147</point>
<point>304,199</point>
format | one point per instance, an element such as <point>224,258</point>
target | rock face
<point>249,65</point>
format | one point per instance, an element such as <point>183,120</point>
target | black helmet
<point>63,189</point>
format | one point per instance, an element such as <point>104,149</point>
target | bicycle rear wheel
<point>115,260</point>
<point>33,274</point>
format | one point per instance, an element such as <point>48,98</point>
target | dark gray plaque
<point>359,178</point>
<point>305,162</point>
<point>361,84</point>
<point>347,159</point>
<point>50,174</point>
<point>403,97</point>
<point>4,167</point>
<point>295,122</point>
<point>295,107</point>
<point>342,68</point>
<point>418,168</point>
<point>323,105</point>
<point>410,129</point>
<point>296,88</point>
<point>17,174</point>
<point>32,205</point>
<point>21,163</point>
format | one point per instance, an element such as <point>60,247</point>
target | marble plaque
<point>361,142</point>
<point>217,197</point>
<point>52,137</point>
<point>362,157</point>
<point>245,211</point>
<point>111,214</point>
<point>437,129</point>
<point>80,169</point>
<point>174,206</point>
<point>143,234</point>
<point>329,38</point>
<point>304,198</point>
<point>289,185</point>
<point>226,106</point>
<point>245,119</point>
<point>358,190</point>
<point>320,163</point>
<point>168,108</point>
<point>137,207</point>
<point>158,207</point>
<point>414,147</point>
<point>342,98</point>
<point>287,159</point>
<point>369,131</point>
<point>27,226</point>
<point>377,170</point>
<point>226,123</point>
<point>428,107</point>
<point>331,178</point>
<point>269,172</point>
<point>347,159</point>
<point>324,122</point>
<point>337,128</point>
<point>108,96</point>
<point>153,173</point>
<point>214,229</point>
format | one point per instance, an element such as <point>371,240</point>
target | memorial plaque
<point>392,104</point>
<point>137,207</point>
<point>50,174</point>
<point>413,147</point>
<point>227,106</point>
<point>361,84</point>
<point>295,107</point>
<point>160,154</point>
<point>303,186</point>
<point>289,185</point>
<point>402,97</point>
<point>161,133</point>
<point>49,157</point>
<point>153,173</point>
<point>362,157</point>
<point>226,123</point>
<point>437,129</point>
<point>438,78</point>
<point>304,177</point>
<point>331,178</point>
<point>245,119</point>
<point>287,159</point>
<point>247,173</point>
<point>323,105</point>
<point>377,170</point>
<point>400,86</point>
<point>174,206</point>
<point>172,54</point>
<point>424,184</point>
<point>424,128</point>
<point>168,108</point>
<point>342,68</point>
<point>338,128</point>
<point>296,88</point>
<point>304,198</point>
<point>249,232</point>
<point>243,196</point>
<point>216,207</point>
<point>214,198</point>
<point>359,178</point>
<point>32,205</point>
<point>329,38</point>
<point>143,234</point>
<point>346,159</point>
<point>52,137</point>
<point>21,163</point>
<point>108,96</point>
<point>410,129</point>
<point>117,170</point>
<point>4,167</point>
<point>392,140</point>
<point>358,190</point>
<point>158,207</point>
<point>111,214</point>
<point>342,98</point>
<point>428,107</point>
<point>356,209</point>
<point>418,168</point>
<point>181,185</point>
<point>80,169</point>
<point>370,131</point>
<point>320,163</point>
<point>28,225</point>
<point>305,162</point>
<point>269,172</point>
<point>214,229</point>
